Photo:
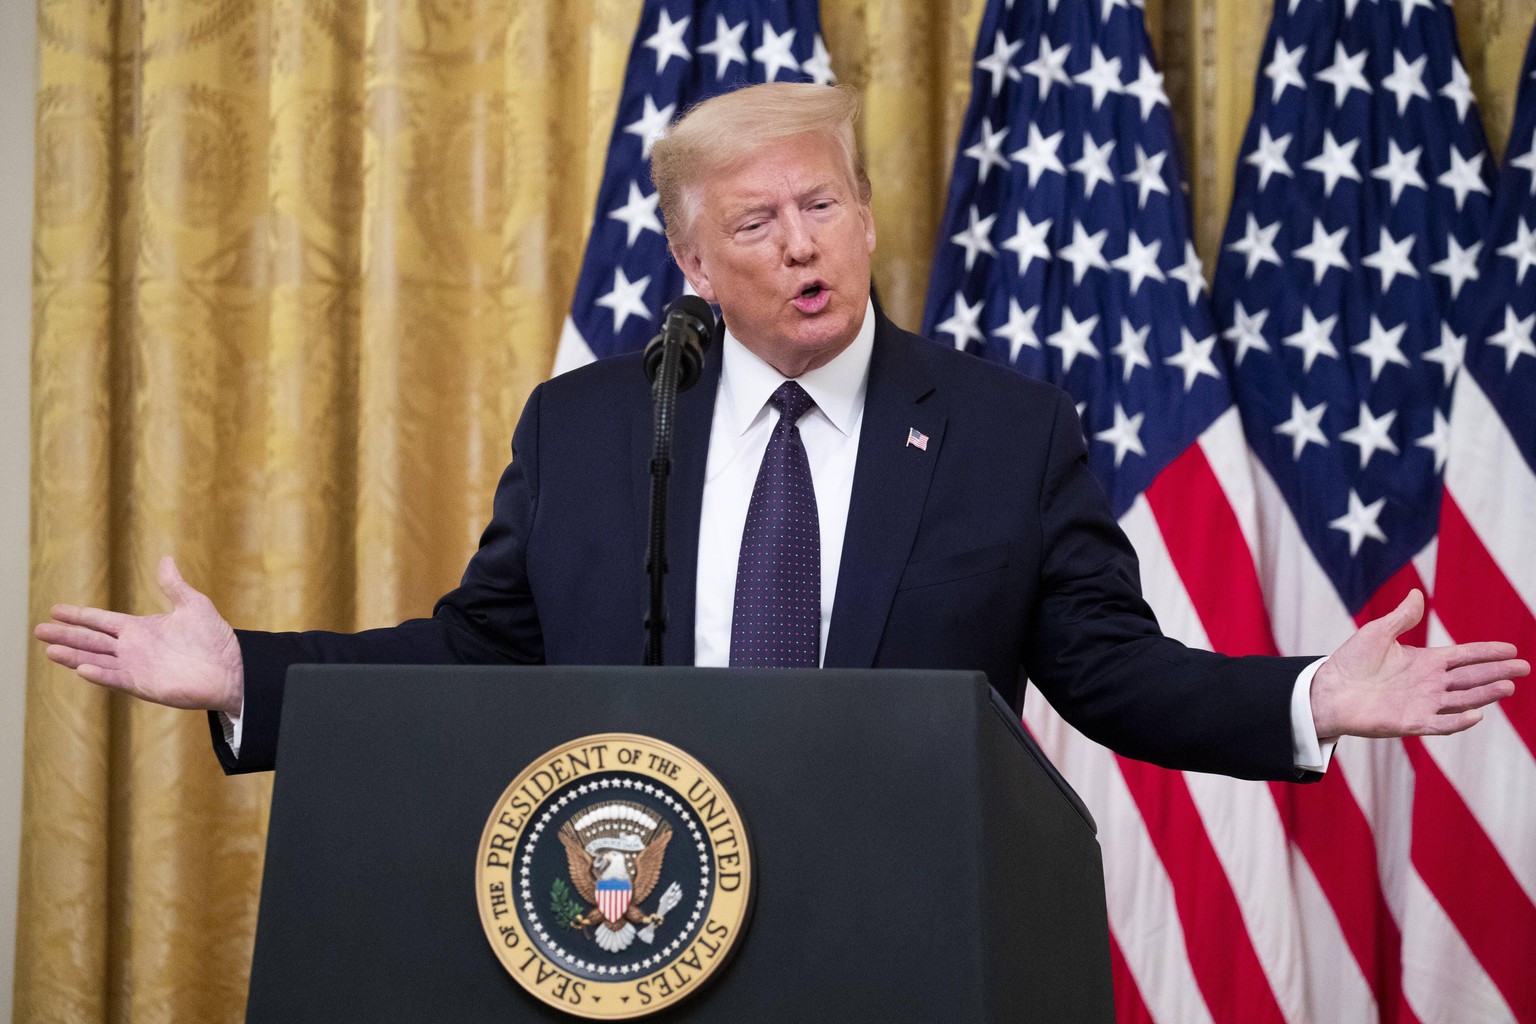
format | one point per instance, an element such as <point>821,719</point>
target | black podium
<point>915,857</point>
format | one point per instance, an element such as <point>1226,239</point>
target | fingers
<point>1446,725</point>
<point>112,678</point>
<point>1469,654</point>
<point>1406,615</point>
<point>175,588</point>
<point>78,637</point>
<point>1457,701</point>
<point>1478,673</point>
<point>99,619</point>
<point>71,657</point>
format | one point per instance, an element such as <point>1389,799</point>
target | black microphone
<point>688,323</point>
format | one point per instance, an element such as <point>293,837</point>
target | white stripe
<point>1306,614</point>
<point>573,350</point>
<point>1335,988</point>
<point>1494,486</point>
<point>1443,981</point>
<point>1142,911</point>
<point>1494,773</point>
<point>1160,582</point>
<point>1380,778</point>
<point>1227,452</point>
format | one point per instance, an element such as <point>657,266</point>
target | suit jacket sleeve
<point>488,619</point>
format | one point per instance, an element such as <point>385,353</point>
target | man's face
<point>781,242</point>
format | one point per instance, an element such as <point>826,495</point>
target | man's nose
<point>799,244</point>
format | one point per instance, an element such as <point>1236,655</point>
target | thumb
<point>1406,615</point>
<point>175,588</point>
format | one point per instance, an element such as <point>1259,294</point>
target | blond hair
<point>733,125</point>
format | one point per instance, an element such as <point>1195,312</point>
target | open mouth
<point>810,291</point>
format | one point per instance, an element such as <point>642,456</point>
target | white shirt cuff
<point>1307,751</point>
<point>232,723</point>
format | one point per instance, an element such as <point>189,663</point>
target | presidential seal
<point>614,877</point>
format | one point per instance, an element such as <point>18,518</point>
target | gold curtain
<point>297,264</point>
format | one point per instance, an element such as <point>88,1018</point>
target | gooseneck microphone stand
<point>673,361</point>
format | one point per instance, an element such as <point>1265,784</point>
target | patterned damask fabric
<point>297,264</point>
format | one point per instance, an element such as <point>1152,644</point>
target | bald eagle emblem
<point>614,852</point>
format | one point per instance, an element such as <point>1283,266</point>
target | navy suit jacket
<point>994,549</point>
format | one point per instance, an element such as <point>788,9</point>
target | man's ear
<point>693,269</point>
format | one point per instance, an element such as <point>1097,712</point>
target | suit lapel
<point>890,488</point>
<point>690,449</point>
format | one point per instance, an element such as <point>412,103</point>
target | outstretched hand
<point>1375,686</point>
<point>186,658</point>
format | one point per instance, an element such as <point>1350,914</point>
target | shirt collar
<point>837,388</point>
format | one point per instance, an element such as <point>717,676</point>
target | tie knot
<point>791,401</point>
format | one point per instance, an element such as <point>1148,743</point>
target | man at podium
<point>846,494</point>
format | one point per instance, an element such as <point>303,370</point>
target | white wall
<point>18,64</point>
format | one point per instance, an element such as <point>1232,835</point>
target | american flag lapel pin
<point>917,439</point>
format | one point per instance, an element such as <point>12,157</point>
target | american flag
<point>1279,471</point>
<point>685,51</point>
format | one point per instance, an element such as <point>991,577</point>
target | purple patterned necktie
<point>776,621</point>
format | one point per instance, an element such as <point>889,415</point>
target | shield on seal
<point>613,898</point>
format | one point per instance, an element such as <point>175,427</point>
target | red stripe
<point>1130,1007</point>
<point>1222,957</point>
<point>1472,883</point>
<point>1205,541</point>
<point>1474,599</point>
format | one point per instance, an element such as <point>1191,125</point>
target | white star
<point>1451,353</point>
<point>1132,348</point>
<point>1370,434</point>
<point>1344,74</point>
<point>1029,241</point>
<point>1247,331</point>
<point>1102,76</point>
<point>774,53</point>
<point>1304,426</point>
<point>1148,175</point>
<point>651,124</point>
<point>1409,5</point>
<point>998,63</point>
<point>976,238</point>
<point>1464,176</point>
<point>639,214</point>
<point>1019,330</point>
<point>1139,261</point>
<point>1335,162</point>
<point>1148,88</point>
<point>1085,251</point>
<point>1459,90</point>
<point>962,324</point>
<point>988,150</point>
<point>1382,346</point>
<point>1324,251</point>
<point>1284,69</point>
<point>1269,156</point>
<point>1093,165</point>
<point>1438,441</point>
<point>1191,272</point>
<point>1459,265</point>
<point>1125,435</point>
<point>1360,521</point>
<point>1515,338</point>
<point>819,67</point>
<point>1391,259</point>
<point>726,46</point>
<point>1049,66</point>
<point>1522,250</point>
<point>667,40</point>
<point>1258,244</point>
<point>1406,80</point>
<point>625,299</point>
<point>1194,358</point>
<point>1039,155</point>
<point>1314,339</point>
<point>1074,339</point>
<point>1527,162</point>
<point>1400,170</point>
